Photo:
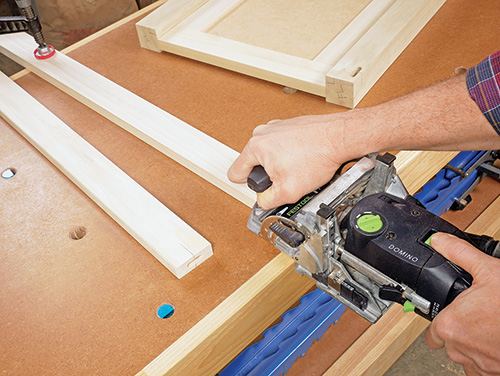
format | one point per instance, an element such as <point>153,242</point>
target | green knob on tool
<point>370,223</point>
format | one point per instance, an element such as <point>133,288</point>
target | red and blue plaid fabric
<point>483,83</point>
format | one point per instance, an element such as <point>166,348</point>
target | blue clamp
<point>439,194</point>
<point>291,338</point>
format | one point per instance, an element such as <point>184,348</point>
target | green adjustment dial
<point>370,223</point>
<point>408,307</point>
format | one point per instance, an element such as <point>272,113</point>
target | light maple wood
<point>489,221</point>
<point>363,64</point>
<point>222,334</point>
<point>100,33</point>
<point>383,343</point>
<point>350,60</point>
<point>178,140</point>
<point>160,231</point>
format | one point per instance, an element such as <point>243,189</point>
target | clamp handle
<point>258,180</point>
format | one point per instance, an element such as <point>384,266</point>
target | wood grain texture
<point>416,168</point>
<point>161,232</point>
<point>173,137</point>
<point>226,331</point>
<point>489,221</point>
<point>380,345</point>
<point>384,342</point>
<point>357,71</point>
<point>222,334</point>
<point>242,36</point>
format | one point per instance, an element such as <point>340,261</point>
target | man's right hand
<point>299,155</point>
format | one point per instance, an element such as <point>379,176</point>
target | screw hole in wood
<point>78,233</point>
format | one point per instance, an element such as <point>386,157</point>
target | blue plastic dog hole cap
<point>9,173</point>
<point>165,311</point>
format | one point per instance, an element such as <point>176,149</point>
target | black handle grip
<point>485,244</point>
<point>259,180</point>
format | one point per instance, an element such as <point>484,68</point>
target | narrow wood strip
<point>353,32</point>
<point>416,168</point>
<point>185,144</point>
<point>255,61</point>
<point>161,232</point>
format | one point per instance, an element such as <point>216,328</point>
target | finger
<point>460,252</point>
<point>432,339</point>
<point>472,370</point>
<point>241,167</point>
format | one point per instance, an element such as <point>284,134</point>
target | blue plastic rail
<point>301,326</point>
<point>439,194</point>
<point>291,338</point>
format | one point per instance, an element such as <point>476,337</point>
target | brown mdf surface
<point>89,306</point>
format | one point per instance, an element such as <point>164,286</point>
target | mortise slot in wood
<point>356,72</point>
<point>153,225</point>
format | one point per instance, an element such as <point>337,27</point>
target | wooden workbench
<point>88,306</point>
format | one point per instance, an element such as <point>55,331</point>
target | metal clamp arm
<point>13,24</point>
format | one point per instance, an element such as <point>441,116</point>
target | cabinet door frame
<point>343,72</point>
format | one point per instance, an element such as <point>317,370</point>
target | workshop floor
<point>418,360</point>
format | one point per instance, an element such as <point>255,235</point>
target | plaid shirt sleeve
<point>483,83</point>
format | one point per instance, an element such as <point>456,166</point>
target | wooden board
<point>115,288</point>
<point>161,232</point>
<point>336,49</point>
<point>489,221</point>
<point>212,343</point>
<point>173,137</point>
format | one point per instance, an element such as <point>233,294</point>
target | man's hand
<point>299,155</point>
<point>468,328</point>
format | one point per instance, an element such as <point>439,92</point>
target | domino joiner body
<point>365,241</point>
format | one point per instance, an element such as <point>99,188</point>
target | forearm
<point>440,117</point>
<point>301,154</point>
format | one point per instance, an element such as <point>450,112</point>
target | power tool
<point>365,241</point>
<point>30,23</point>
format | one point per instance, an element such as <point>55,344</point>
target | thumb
<point>268,199</point>
<point>459,252</point>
